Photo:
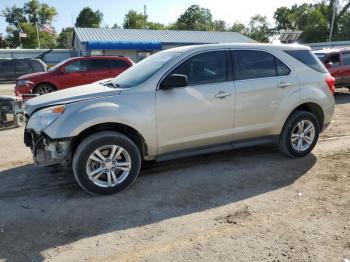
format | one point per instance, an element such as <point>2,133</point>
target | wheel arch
<point>44,83</point>
<point>126,130</point>
<point>312,108</point>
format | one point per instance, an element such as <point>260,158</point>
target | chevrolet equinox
<point>181,102</point>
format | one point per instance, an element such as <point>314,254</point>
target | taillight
<point>330,80</point>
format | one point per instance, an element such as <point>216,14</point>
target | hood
<point>31,75</point>
<point>70,95</point>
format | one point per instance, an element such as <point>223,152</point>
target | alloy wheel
<point>108,166</point>
<point>303,135</point>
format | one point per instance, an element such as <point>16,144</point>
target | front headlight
<point>44,117</point>
<point>23,82</point>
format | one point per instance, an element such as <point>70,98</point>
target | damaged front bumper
<point>47,151</point>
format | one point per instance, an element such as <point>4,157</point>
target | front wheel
<point>299,134</point>
<point>106,163</point>
<point>44,89</point>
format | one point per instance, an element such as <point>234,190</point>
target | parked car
<point>72,72</point>
<point>181,102</point>
<point>337,61</point>
<point>11,112</point>
<point>11,69</point>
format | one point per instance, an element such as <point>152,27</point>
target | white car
<point>180,102</point>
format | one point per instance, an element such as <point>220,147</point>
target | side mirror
<point>174,80</point>
<point>329,64</point>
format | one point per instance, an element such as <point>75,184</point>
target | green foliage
<point>219,25</point>
<point>239,28</point>
<point>314,20</point>
<point>195,18</point>
<point>65,38</point>
<point>134,20</point>
<point>88,18</point>
<point>25,19</point>
<point>259,29</point>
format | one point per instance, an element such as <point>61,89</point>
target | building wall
<point>130,53</point>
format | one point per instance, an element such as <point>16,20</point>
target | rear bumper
<point>47,151</point>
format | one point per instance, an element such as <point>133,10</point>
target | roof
<point>159,36</point>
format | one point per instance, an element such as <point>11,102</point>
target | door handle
<point>284,84</point>
<point>222,94</point>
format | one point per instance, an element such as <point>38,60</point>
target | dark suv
<point>11,69</point>
<point>337,61</point>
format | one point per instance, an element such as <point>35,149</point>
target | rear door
<point>346,68</point>
<point>118,66</point>
<point>7,69</point>
<point>99,69</point>
<point>261,81</point>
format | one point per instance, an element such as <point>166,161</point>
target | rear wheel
<point>106,163</point>
<point>44,89</point>
<point>299,134</point>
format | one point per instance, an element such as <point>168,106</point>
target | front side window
<point>78,66</point>
<point>346,59</point>
<point>204,68</point>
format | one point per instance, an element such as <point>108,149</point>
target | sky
<point>163,11</point>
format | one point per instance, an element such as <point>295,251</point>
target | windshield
<point>144,69</point>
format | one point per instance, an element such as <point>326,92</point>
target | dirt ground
<point>245,205</point>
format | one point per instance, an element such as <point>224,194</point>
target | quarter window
<point>346,58</point>
<point>252,64</point>
<point>204,68</point>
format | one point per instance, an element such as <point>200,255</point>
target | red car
<point>337,62</point>
<point>72,72</point>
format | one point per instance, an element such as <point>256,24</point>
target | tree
<point>219,25</point>
<point>115,26</point>
<point>155,26</point>
<point>134,20</point>
<point>259,28</point>
<point>239,28</point>
<point>314,20</point>
<point>65,38</point>
<point>25,19</point>
<point>88,18</point>
<point>195,18</point>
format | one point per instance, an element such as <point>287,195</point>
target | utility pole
<point>332,23</point>
<point>145,15</point>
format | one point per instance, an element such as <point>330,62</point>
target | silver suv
<point>181,102</point>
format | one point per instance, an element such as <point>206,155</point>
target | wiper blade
<point>111,84</point>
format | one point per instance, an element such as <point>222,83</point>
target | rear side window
<point>99,64</point>
<point>307,58</point>
<point>119,63</point>
<point>251,64</point>
<point>346,58</point>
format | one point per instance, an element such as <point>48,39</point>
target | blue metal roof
<point>126,45</point>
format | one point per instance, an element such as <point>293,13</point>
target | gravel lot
<point>245,205</point>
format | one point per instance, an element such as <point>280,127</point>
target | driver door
<point>201,113</point>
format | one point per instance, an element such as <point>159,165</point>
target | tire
<point>105,183</point>
<point>44,89</point>
<point>291,127</point>
<point>19,120</point>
